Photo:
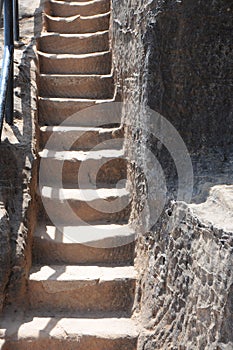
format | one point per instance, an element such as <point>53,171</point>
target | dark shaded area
<point>226,330</point>
<point>189,48</point>
<point>190,80</point>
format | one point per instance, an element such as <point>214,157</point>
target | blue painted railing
<point>11,33</point>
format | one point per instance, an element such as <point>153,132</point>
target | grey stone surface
<point>185,294</point>
<point>27,8</point>
<point>175,57</point>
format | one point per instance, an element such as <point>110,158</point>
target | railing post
<point>16,20</point>
<point>9,41</point>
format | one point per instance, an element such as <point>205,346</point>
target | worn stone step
<point>73,43</point>
<point>107,236</point>
<point>67,9</point>
<point>77,24</point>
<point>78,112</point>
<point>77,206</point>
<point>82,288</point>
<point>93,63</point>
<point>76,86</point>
<point>21,332</point>
<point>73,138</point>
<point>83,169</point>
<point>107,244</point>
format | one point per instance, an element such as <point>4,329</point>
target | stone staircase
<point>80,296</point>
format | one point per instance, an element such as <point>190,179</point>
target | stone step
<point>77,24</point>
<point>81,206</point>
<point>67,9</point>
<point>73,138</point>
<point>82,288</point>
<point>99,63</point>
<point>73,43</point>
<point>78,112</point>
<point>80,169</point>
<point>107,244</point>
<point>39,333</point>
<point>76,86</point>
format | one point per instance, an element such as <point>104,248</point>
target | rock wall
<point>174,57</point>
<point>18,166</point>
<point>5,253</point>
<point>185,292</point>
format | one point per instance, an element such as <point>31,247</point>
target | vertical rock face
<point>185,294</point>
<point>189,63</point>
<point>174,57</point>
<point>16,164</point>
<point>17,156</point>
<point>4,253</point>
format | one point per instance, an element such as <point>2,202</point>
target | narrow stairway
<point>80,296</point>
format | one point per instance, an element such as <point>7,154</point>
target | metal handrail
<point>11,32</point>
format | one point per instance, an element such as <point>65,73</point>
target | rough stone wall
<point>175,57</point>
<point>18,166</point>
<point>185,293</point>
<point>5,253</point>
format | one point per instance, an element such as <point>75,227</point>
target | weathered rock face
<point>16,192</point>
<point>17,163</point>
<point>174,57</point>
<point>189,63</point>
<point>185,294</point>
<point>185,47</point>
<point>4,253</point>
